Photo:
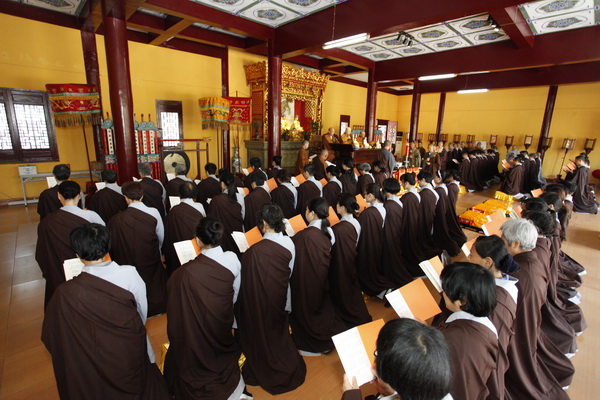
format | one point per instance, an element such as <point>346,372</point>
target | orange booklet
<point>323,182</point>
<point>496,221</point>
<point>332,217</point>
<point>245,240</point>
<point>414,301</point>
<point>433,269</point>
<point>272,184</point>
<point>361,202</point>
<point>465,250</point>
<point>356,348</point>
<point>537,192</point>
<point>506,165</point>
<point>297,223</point>
<point>186,250</point>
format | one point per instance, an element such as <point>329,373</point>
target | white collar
<point>395,199</point>
<point>509,284</point>
<point>485,321</point>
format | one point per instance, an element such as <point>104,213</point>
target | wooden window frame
<point>173,106</point>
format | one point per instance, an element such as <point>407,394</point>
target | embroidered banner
<point>74,104</point>
<point>214,112</point>
<point>239,110</point>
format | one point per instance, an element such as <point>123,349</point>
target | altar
<point>343,151</point>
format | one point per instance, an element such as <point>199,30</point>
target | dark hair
<point>61,172</point>
<point>348,201</point>
<point>413,359</point>
<point>69,189</point>
<point>188,190</point>
<point>229,180</point>
<point>321,208</point>
<point>109,175</point>
<point>91,242</point>
<point>379,165</point>
<point>257,177</point>
<point>473,285</point>
<point>545,222</point>
<point>535,204</point>
<point>272,215</point>
<point>210,231</point>
<point>310,169</point>
<point>375,190</point>
<point>570,187</point>
<point>583,157</point>
<point>144,169</point>
<point>133,190</point>
<point>452,173</point>
<point>284,175</point>
<point>277,160</point>
<point>557,188</point>
<point>210,168</point>
<point>552,199</point>
<point>223,170</point>
<point>255,162</point>
<point>409,178</point>
<point>333,170</point>
<point>391,186</point>
<point>495,248</point>
<point>426,176</point>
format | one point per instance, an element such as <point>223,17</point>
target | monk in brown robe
<point>255,200</point>
<point>344,287</point>
<point>181,224</point>
<point>313,319</point>
<point>209,187</point>
<point>429,199</point>
<point>348,177</point>
<point>326,140</point>
<point>228,207</point>
<point>308,190</point>
<point>364,178</point>
<point>264,302</point>
<point>53,245</point>
<point>452,181</point>
<point>173,185</point>
<point>302,159</point>
<point>380,172</point>
<point>333,189</point>
<point>584,198</point>
<point>202,361</point>
<point>138,235</point>
<point>446,229</point>
<point>285,195</point>
<point>48,201</point>
<point>513,179</point>
<point>464,169</point>
<point>411,226</point>
<point>273,172</point>
<point>154,191</point>
<point>320,163</point>
<point>108,201</point>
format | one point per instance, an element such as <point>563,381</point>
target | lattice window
<point>170,121</point>
<point>5,139</point>
<point>31,122</point>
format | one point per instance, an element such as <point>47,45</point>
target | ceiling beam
<point>305,60</point>
<point>211,37</point>
<point>354,82</point>
<point>91,16</point>
<point>377,18</point>
<point>572,46</point>
<point>394,83</point>
<point>344,57</point>
<point>514,25</point>
<point>174,30</point>
<point>195,47</point>
<point>38,14</point>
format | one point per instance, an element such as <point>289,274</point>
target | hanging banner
<point>74,104</point>
<point>214,112</point>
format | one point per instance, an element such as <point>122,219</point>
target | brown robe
<point>344,288</point>
<point>302,160</point>
<point>106,202</point>
<point>134,242</point>
<point>527,376</point>
<point>272,360</point>
<point>393,264</point>
<point>411,237</point>
<point>380,177</point>
<point>202,361</point>
<point>48,202</point>
<point>349,182</point>
<point>465,170</point>
<point>584,198</point>
<point>453,191</point>
<point>513,181</point>
<point>313,319</point>
<point>473,353</point>
<point>331,192</point>
<point>181,225</point>
<point>284,198</point>
<point>230,215</point>
<point>326,141</point>
<point>306,192</point>
<point>254,202</point>
<point>369,253</point>
<point>429,248</point>
<point>153,195</point>
<point>207,189</point>
<point>447,232</point>
<point>363,181</point>
<point>54,247</point>
<point>319,168</point>
<point>98,343</point>
<point>173,190</point>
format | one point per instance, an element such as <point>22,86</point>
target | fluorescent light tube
<point>472,91</point>
<point>346,41</point>
<point>432,77</point>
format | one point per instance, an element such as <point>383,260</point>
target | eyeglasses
<point>375,353</point>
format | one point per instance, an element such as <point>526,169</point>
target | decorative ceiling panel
<point>472,24</point>
<point>268,13</point>
<point>382,55</point>
<point>450,43</point>
<point>548,16</point>
<point>487,36</point>
<point>363,48</point>
<point>414,50</point>
<point>432,33</point>
<point>72,7</point>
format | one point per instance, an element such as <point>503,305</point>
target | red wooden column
<point>552,91</point>
<point>121,98</point>
<point>414,112</point>
<point>440,120</point>
<point>370,120</point>
<point>274,102</point>
<point>225,92</point>
<point>92,75</point>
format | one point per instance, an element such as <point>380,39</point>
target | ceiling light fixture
<point>361,37</point>
<point>467,91</point>
<point>433,77</point>
<point>405,38</point>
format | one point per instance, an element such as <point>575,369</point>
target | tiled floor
<point>26,368</point>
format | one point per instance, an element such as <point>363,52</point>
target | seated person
<point>108,201</point>
<point>48,201</point>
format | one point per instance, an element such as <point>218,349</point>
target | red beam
<point>345,57</point>
<point>514,25</point>
<point>195,47</point>
<point>354,82</point>
<point>147,20</point>
<point>559,48</point>
<point>304,60</point>
<point>212,37</point>
<point>38,14</point>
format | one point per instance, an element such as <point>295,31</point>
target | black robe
<point>230,215</point>
<point>98,343</point>
<point>272,360</point>
<point>584,198</point>
<point>465,170</point>
<point>207,189</point>
<point>202,361</point>
<point>369,253</point>
<point>319,168</point>
<point>306,192</point>
<point>447,232</point>
<point>153,195</point>
<point>284,198</point>
<point>380,177</point>
<point>513,181</point>
<point>181,225</point>
<point>349,182</point>
<point>313,319</point>
<point>344,288</point>
<point>48,202</point>
<point>54,247</point>
<point>393,264</point>
<point>453,191</point>
<point>411,236</point>
<point>363,181</point>
<point>429,248</point>
<point>134,242</point>
<point>106,202</point>
<point>173,190</point>
<point>254,202</point>
<point>331,192</point>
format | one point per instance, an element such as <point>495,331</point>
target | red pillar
<point>274,104</point>
<point>92,75</point>
<point>414,112</point>
<point>121,98</point>
<point>552,91</point>
<point>225,92</point>
<point>440,120</point>
<point>370,121</point>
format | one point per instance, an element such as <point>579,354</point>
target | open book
<point>100,185</point>
<point>298,180</point>
<point>537,192</point>
<point>51,181</point>
<point>294,225</point>
<point>414,301</point>
<point>247,171</point>
<point>174,200</point>
<point>506,164</point>
<point>72,268</point>
<point>170,176</point>
<point>496,221</point>
<point>433,268</point>
<point>186,250</point>
<point>465,250</point>
<point>356,348</point>
<point>323,182</point>
<point>271,184</point>
<point>245,240</point>
<point>244,191</point>
<point>361,202</point>
<point>332,217</point>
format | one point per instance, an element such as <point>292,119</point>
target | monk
<point>285,195</point>
<point>108,201</point>
<point>308,190</point>
<point>584,198</point>
<point>210,186</point>
<point>326,140</point>
<point>302,159</point>
<point>320,163</point>
<point>48,201</point>
<point>333,189</point>
<point>254,201</point>
<point>173,185</point>
<point>228,207</point>
<point>154,191</point>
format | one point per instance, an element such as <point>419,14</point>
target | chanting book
<point>170,176</point>
<point>186,250</point>
<point>271,184</point>
<point>51,181</point>
<point>298,180</point>
<point>506,165</point>
<point>247,171</point>
<point>433,269</point>
<point>332,217</point>
<point>294,225</point>
<point>356,349</point>
<point>245,240</point>
<point>74,266</point>
<point>174,200</point>
<point>465,250</point>
<point>100,185</point>
<point>323,182</point>
<point>516,212</point>
<point>414,301</point>
<point>197,181</point>
<point>361,202</point>
<point>136,179</point>
<point>243,191</point>
<point>537,192</point>
<point>496,221</point>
